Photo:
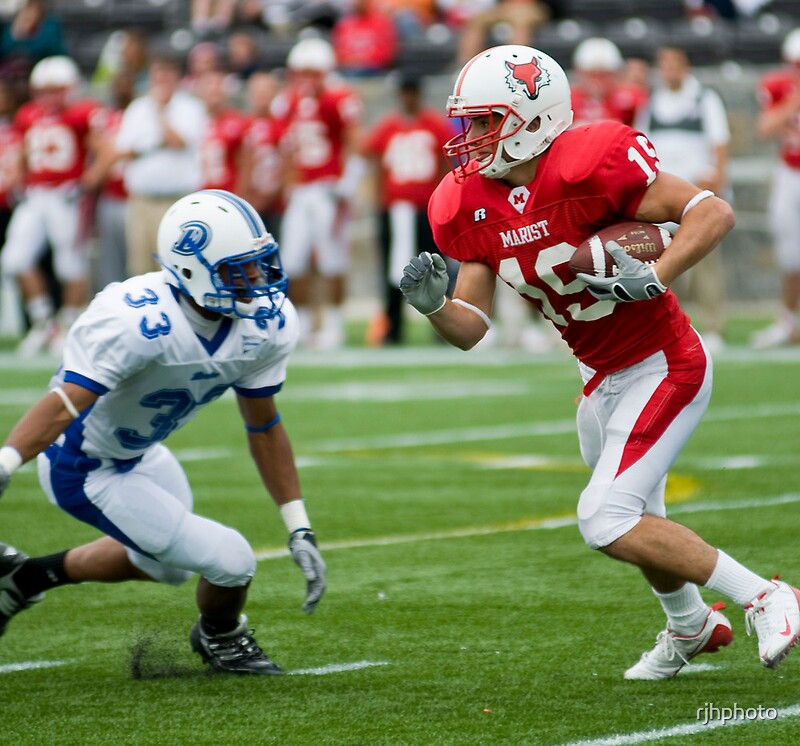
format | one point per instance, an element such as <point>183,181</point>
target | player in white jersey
<point>139,363</point>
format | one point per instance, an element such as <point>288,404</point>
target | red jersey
<point>55,143</point>
<point>620,105</point>
<point>315,132</point>
<point>590,177</point>
<point>261,139</point>
<point>365,42</point>
<point>775,88</point>
<point>105,123</point>
<point>220,149</point>
<point>10,158</point>
<point>411,158</point>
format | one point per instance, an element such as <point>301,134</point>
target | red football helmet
<point>517,87</point>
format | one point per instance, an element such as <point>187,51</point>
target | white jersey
<point>135,347</point>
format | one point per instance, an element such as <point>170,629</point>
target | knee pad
<point>158,571</point>
<point>218,553</point>
<point>605,514</point>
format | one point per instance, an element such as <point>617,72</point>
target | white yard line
<point>534,524</point>
<point>337,668</point>
<point>686,729</point>
<point>30,665</point>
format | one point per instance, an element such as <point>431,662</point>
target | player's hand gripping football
<point>633,281</point>
<point>304,551</point>
<point>424,282</point>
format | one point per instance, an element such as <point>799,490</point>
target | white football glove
<point>304,551</point>
<point>424,282</point>
<point>5,479</point>
<point>633,281</point>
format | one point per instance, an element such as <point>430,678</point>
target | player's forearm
<point>458,325</point>
<point>272,453</point>
<point>39,427</point>
<point>771,123</point>
<point>700,231</point>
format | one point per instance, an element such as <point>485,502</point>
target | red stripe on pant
<point>686,371</point>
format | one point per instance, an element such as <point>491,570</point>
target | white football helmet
<point>215,248</point>
<point>597,54</point>
<point>790,49</point>
<point>55,72</point>
<point>312,54</point>
<point>522,87</point>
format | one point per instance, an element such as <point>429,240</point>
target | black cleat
<point>233,652</point>
<point>11,599</point>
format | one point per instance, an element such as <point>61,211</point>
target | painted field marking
<point>337,668</point>
<point>686,729</point>
<point>30,665</point>
<point>533,524</point>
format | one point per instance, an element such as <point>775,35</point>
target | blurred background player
<point>779,95</point>
<point>55,131</point>
<point>322,137</point>
<point>687,123</point>
<point>160,136</point>
<point>406,146</point>
<point>598,91</point>
<point>261,174</point>
<point>221,146</point>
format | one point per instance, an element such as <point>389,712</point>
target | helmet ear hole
<point>187,273</point>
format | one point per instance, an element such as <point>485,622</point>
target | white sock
<point>735,581</point>
<point>685,609</point>
<point>40,310</point>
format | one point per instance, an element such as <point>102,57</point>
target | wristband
<point>294,516</point>
<point>65,400</point>
<point>430,313</point>
<point>694,201</point>
<point>10,459</point>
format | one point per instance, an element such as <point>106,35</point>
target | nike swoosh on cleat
<point>788,630</point>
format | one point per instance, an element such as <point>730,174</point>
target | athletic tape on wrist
<point>68,405</point>
<point>486,320</point>
<point>696,200</point>
<point>430,313</point>
<point>294,516</point>
<point>10,459</point>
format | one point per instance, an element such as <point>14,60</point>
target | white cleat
<point>37,339</point>
<point>673,651</point>
<point>777,335</point>
<point>775,617</point>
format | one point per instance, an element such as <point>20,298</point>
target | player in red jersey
<point>407,148</point>
<point>221,148</point>
<point>779,94</point>
<point>528,190</point>
<point>261,174</point>
<point>323,133</point>
<point>598,93</point>
<point>55,131</point>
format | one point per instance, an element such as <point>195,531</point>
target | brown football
<point>643,241</point>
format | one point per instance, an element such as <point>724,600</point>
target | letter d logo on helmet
<point>195,237</point>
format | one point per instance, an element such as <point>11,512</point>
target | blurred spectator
<point>365,39</point>
<point>286,17</point>
<point>411,17</point>
<point>779,94</point>
<point>688,125</point>
<point>597,91</point>
<point>126,52</point>
<point>261,175</point>
<point>11,156</point>
<point>242,55</point>
<point>204,57</point>
<point>221,146</point>
<point>33,34</point>
<point>406,145</point>
<point>160,135</point>
<point>211,17</point>
<point>511,21</point>
<point>55,134</point>
<point>106,175</point>
<point>322,138</point>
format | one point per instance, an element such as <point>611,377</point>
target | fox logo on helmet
<point>530,75</point>
<point>195,237</point>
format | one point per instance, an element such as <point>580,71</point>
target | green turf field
<point>463,608</point>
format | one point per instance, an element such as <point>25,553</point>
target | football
<point>643,241</point>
